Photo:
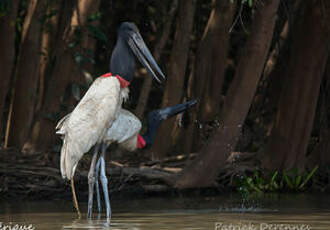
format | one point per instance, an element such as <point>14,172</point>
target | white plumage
<point>89,122</point>
<point>124,130</point>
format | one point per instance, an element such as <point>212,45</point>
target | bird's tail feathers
<point>63,156</point>
<point>60,127</point>
<point>69,158</point>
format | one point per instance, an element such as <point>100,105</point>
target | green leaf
<point>250,2</point>
<point>298,180</point>
<point>308,177</point>
<point>288,182</point>
<point>273,177</point>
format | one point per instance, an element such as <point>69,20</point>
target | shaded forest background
<point>260,69</point>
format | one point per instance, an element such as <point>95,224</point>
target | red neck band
<point>122,81</point>
<point>141,143</point>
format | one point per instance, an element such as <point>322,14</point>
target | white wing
<point>89,122</point>
<point>124,130</point>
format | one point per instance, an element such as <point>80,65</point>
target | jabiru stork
<point>125,131</point>
<point>99,108</point>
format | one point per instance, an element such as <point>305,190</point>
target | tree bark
<point>275,69</point>
<point>27,72</point>
<point>320,154</point>
<point>147,83</point>
<point>212,60</point>
<point>294,121</point>
<point>210,64</point>
<point>176,73</point>
<point>47,47</point>
<point>7,59</point>
<point>65,72</point>
<point>203,171</point>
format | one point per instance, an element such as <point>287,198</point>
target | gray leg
<point>104,182</point>
<point>91,181</point>
<point>97,186</point>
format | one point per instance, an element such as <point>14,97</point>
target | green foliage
<point>259,183</point>
<point>296,182</point>
<point>82,55</point>
<point>94,17</point>
<point>274,181</point>
<point>97,33</point>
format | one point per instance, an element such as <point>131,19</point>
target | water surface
<point>227,212</point>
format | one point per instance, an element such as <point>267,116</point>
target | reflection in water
<point>179,214</point>
<point>88,224</point>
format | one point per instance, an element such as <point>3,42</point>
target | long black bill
<point>176,109</point>
<point>142,52</point>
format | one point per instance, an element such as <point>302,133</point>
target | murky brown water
<point>224,212</point>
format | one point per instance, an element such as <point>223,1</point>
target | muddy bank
<point>37,176</point>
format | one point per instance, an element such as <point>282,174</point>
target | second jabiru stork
<point>99,108</point>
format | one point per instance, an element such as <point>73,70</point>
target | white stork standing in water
<point>100,107</point>
<point>125,131</point>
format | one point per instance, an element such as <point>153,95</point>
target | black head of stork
<point>156,117</point>
<point>130,43</point>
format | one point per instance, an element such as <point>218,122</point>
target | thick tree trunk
<point>212,58</point>
<point>203,171</point>
<point>276,68</point>
<point>147,83</point>
<point>289,139</point>
<point>7,59</point>
<point>27,72</point>
<point>47,47</point>
<point>320,155</point>
<point>210,65</point>
<point>176,73</point>
<point>65,71</point>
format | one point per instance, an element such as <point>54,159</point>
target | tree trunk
<point>65,72</point>
<point>210,64</point>
<point>147,83</point>
<point>289,138</point>
<point>276,68</point>
<point>47,47</point>
<point>27,72</point>
<point>176,73</point>
<point>212,60</point>
<point>7,59</point>
<point>320,154</point>
<point>203,171</point>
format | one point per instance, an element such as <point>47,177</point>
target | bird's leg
<point>75,198</point>
<point>91,181</point>
<point>97,187</point>
<point>104,182</point>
